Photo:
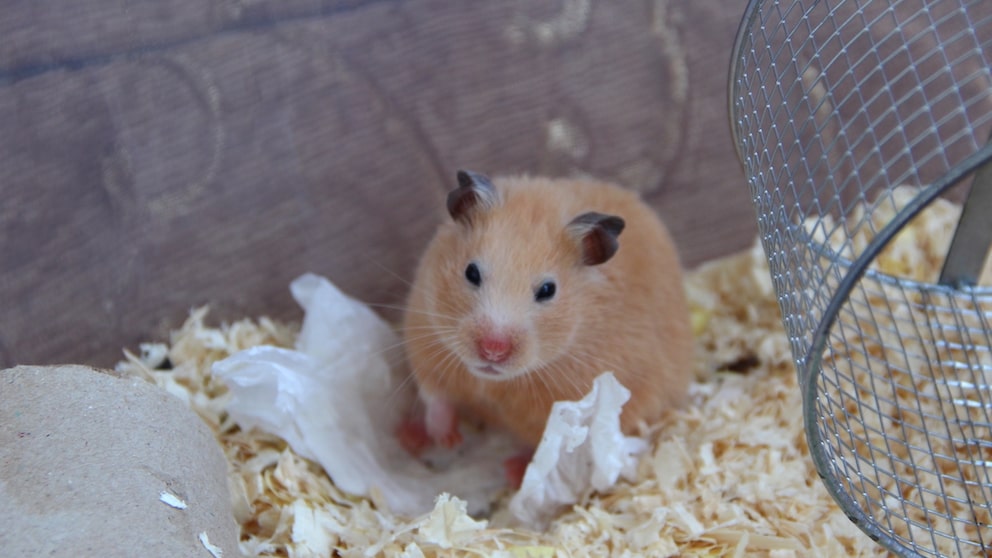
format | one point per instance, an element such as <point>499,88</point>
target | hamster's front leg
<point>441,420</point>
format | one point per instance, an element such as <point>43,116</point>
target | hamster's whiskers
<point>407,379</point>
<point>449,365</point>
<point>402,343</point>
<point>605,366</point>
<point>437,315</point>
<point>440,344</point>
<point>387,270</point>
<point>530,376</point>
<point>559,376</point>
<point>435,347</point>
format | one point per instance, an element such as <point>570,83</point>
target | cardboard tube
<point>97,465</point>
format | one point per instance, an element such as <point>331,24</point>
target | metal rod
<point>973,236</point>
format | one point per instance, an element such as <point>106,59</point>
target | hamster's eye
<point>472,274</point>
<point>545,292</point>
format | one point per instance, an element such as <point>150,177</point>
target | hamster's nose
<point>495,348</point>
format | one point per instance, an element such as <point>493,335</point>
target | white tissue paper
<point>336,400</point>
<point>582,448</point>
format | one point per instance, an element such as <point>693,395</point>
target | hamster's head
<point>515,276</point>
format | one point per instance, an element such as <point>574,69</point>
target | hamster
<point>532,289</point>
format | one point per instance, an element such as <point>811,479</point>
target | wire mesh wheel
<point>852,118</point>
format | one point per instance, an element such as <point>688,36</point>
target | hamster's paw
<point>412,435</point>
<point>515,467</point>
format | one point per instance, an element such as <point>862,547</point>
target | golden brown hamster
<point>532,289</point>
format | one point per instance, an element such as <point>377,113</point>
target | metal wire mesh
<point>850,118</point>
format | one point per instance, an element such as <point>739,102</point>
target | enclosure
<point>163,156</point>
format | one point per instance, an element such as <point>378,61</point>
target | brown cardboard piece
<point>85,457</point>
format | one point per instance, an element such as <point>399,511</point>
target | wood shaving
<point>214,550</point>
<point>171,499</point>
<point>727,475</point>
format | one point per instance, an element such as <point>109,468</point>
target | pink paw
<point>515,467</point>
<point>412,435</point>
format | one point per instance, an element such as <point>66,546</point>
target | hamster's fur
<point>499,344</point>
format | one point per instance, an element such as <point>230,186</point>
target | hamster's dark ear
<point>597,236</point>
<point>475,191</point>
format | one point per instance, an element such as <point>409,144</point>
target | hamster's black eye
<point>545,292</point>
<point>472,274</point>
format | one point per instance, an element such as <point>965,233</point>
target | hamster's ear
<point>475,191</point>
<point>597,236</point>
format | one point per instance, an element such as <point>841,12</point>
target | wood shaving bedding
<point>728,475</point>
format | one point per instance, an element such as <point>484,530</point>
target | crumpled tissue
<point>582,448</point>
<point>337,400</point>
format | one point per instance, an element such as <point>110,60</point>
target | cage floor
<point>728,474</point>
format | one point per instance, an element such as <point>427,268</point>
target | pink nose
<point>495,349</point>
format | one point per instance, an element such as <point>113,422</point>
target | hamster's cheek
<point>554,329</point>
<point>463,340</point>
